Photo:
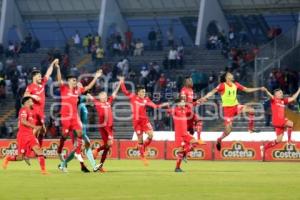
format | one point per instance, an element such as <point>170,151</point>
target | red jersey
<point>138,105</point>
<point>221,87</point>
<point>278,113</point>
<point>29,115</point>
<point>180,119</point>
<point>189,93</point>
<point>104,111</point>
<point>69,99</point>
<point>38,90</point>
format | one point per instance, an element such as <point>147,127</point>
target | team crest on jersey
<point>11,150</point>
<point>238,152</point>
<point>288,152</point>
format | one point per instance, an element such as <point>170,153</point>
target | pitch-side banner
<point>283,152</point>
<point>238,151</point>
<point>203,152</point>
<point>129,150</point>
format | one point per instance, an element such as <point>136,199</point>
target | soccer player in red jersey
<point>231,108</point>
<point>194,122</point>
<point>141,123</point>
<point>26,138</point>
<point>184,141</point>
<point>105,117</point>
<point>279,121</point>
<point>70,120</point>
<point>36,90</point>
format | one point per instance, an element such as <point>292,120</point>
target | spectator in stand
<point>156,67</point>
<point>165,62</point>
<point>172,57</point>
<point>139,48</point>
<point>123,67</point>
<point>117,49</point>
<point>144,76</point>
<point>170,37</point>
<point>97,39</point>
<point>11,49</point>
<point>99,56</point>
<point>128,38</point>
<point>180,56</point>
<point>159,40</point>
<point>85,44</point>
<point>152,38</point>
<point>232,38</point>
<point>77,40</point>
<point>2,89</point>
<point>212,41</point>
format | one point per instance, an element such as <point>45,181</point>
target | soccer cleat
<point>102,170</point>
<point>84,169</point>
<point>145,161</point>
<point>201,142</point>
<point>5,162</point>
<point>254,130</point>
<point>98,167</point>
<point>178,170</point>
<point>27,161</point>
<point>218,145</point>
<point>95,153</point>
<point>63,169</point>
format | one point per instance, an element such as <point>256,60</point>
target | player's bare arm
<point>207,96</point>
<point>251,90</point>
<point>268,92</point>
<point>294,97</point>
<point>115,92</point>
<point>58,74</point>
<point>50,68</point>
<point>98,74</point>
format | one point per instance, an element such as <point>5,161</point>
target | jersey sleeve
<point>81,90</point>
<point>239,86</point>
<point>23,114</point>
<point>151,103</point>
<point>221,88</point>
<point>44,81</point>
<point>110,99</point>
<point>286,101</point>
<point>28,89</point>
<point>125,91</point>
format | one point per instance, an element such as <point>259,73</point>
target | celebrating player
<point>141,123</point>
<point>36,90</point>
<point>228,90</point>
<point>26,138</point>
<point>105,117</point>
<point>193,122</point>
<point>279,121</point>
<point>70,120</point>
<point>184,141</point>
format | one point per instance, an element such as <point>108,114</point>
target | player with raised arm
<point>36,90</point>
<point>26,136</point>
<point>140,120</point>
<point>279,121</point>
<point>228,89</point>
<point>70,120</point>
<point>105,117</point>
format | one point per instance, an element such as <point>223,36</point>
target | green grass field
<point>129,179</point>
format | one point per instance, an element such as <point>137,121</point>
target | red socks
<point>41,160</point>
<point>141,149</point>
<point>104,154</point>
<point>147,142</point>
<point>103,147</point>
<point>289,133</point>
<point>79,145</point>
<point>251,121</point>
<point>179,159</point>
<point>61,145</point>
<point>270,144</point>
<point>12,158</point>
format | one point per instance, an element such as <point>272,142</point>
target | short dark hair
<point>35,72</point>
<point>223,77</point>
<point>277,90</point>
<point>140,87</point>
<point>25,99</point>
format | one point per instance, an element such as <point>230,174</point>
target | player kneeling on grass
<point>26,138</point>
<point>184,141</point>
<point>105,117</point>
<point>279,121</point>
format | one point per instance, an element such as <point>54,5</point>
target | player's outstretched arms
<point>98,74</point>
<point>251,90</point>
<point>268,92</point>
<point>123,87</point>
<point>115,92</point>
<point>294,97</point>
<point>50,68</point>
<point>208,95</point>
